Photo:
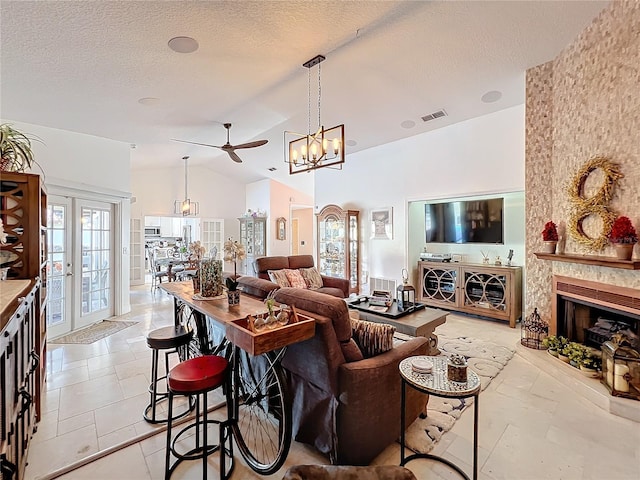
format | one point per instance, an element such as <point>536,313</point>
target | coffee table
<point>419,323</point>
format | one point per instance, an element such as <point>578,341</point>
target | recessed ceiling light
<point>148,101</point>
<point>408,124</point>
<point>352,143</point>
<point>492,96</point>
<point>183,44</point>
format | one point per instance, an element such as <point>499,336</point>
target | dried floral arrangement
<point>597,205</point>
<point>550,232</point>
<point>623,231</point>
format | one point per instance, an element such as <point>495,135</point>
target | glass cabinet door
<point>258,235</point>
<point>353,250</point>
<point>332,261</point>
<point>338,245</point>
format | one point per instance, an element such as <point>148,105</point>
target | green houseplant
<point>552,343</point>
<point>16,154</point>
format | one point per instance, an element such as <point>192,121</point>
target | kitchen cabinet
<point>339,244</point>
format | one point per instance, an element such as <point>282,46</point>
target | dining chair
<point>157,272</point>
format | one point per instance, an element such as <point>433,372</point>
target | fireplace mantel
<point>590,260</point>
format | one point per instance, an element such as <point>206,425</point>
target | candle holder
<point>621,368</point>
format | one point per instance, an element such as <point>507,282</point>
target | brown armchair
<point>348,410</point>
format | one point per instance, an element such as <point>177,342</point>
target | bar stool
<point>169,339</point>
<point>195,377</point>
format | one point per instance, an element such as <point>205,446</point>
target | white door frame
<point>121,202</point>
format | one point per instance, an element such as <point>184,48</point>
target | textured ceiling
<point>83,65</point>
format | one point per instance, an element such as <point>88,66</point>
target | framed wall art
<point>382,223</point>
<point>281,228</point>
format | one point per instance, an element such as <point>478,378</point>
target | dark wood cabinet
<point>23,318</point>
<point>20,374</point>
<point>339,244</point>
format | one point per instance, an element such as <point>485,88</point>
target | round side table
<point>436,383</point>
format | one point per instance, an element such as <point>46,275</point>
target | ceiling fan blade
<point>196,143</point>
<point>234,156</point>
<point>257,143</point>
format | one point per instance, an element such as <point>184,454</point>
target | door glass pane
<point>57,258</point>
<point>95,260</point>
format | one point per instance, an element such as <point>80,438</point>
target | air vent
<point>434,115</point>
<point>272,169</point>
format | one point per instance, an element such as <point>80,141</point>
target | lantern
<point>405,294</point>
<point>621,368</point>
<point>533,330</point>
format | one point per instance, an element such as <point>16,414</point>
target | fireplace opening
<point>591,324</point>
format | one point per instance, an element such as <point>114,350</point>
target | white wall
<point>88,167</point>
<point>306,221</point>
<point>156,190</point>
<point>481,155</point>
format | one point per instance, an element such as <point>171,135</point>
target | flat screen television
<point>466,221</point>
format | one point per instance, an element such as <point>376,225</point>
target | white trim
<point>58,186</point>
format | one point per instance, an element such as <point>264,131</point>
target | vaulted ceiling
<point>84,66</point>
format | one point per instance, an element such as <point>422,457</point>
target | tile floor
<point>532,426</point>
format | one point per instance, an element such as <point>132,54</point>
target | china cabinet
<point>253,235</point>
<point>488,291</point>
<point>338,244</point>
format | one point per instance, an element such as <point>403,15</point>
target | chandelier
<point>186,207</point>
<point>324,148</point>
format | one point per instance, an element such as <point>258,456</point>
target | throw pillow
<point>372,338</point>
<point>351,351</point>
<point>295,278</point>
<point>279,277</point>
<point>312,277</point>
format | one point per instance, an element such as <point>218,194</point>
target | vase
<point>549,246</point>
<point>564,358</point>
<point>624,251</point>
<point>233,296</point>
<point>456,373</point>
<point>553,353</point>
<point>211,278</point>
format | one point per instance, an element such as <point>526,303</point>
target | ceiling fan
<point>227,147</point>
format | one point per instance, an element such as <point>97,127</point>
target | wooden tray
<point>238,333</point>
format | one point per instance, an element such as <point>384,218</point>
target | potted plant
<point>550,237</point>
<point>591,365</point>
<point>552,343</point>
<point>623,236</point>
<point>233,251</point>
<point>564,349</point>
<point>577,353</point>
<point>15,150</point>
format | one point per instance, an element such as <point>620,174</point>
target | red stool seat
<point>196,377</point>
<point>198,374</point>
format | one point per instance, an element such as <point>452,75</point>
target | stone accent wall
<point>583,104</point>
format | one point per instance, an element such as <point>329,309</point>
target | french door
<point>80,263</point>
<point>59,266</point>
<point>94,254</point>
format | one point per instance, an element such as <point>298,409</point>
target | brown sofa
<point>338,287</point>
<point>348,410</point>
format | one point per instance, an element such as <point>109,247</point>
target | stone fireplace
<point>589,312</point>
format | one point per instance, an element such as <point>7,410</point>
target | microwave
<point>151,231</point>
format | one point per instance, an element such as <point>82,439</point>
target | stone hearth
<point>589,388</point>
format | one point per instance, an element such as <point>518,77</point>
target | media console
<point>484,290</point>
